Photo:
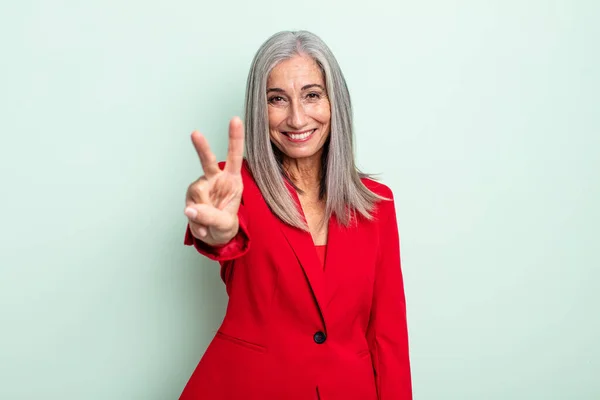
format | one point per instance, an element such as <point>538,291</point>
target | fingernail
<point>202,231</point>
<point>190,212</point>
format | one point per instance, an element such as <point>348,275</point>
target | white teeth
<point>300,136</point>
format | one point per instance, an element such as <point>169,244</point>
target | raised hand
<point>212,201</point>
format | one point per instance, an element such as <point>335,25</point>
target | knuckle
<point>199,182</point>
<point>200,186</point>
<point>196,230</point>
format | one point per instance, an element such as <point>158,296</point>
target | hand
<point>212,202</point>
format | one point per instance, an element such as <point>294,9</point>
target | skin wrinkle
<point>297,110</point>
<point>298,103</point>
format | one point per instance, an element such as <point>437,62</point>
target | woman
<point>308,246</point>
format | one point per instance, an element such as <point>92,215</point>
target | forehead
<point>298,70</point>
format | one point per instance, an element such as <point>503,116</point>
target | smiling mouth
<point>299,136</point>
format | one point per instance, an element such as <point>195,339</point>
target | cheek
<point>274,118</point>
<point>324,115</point>
<point>323,111</point>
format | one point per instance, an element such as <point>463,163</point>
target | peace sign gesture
<point>212,201</point>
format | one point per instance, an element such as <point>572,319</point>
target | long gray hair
<point>341,186</point>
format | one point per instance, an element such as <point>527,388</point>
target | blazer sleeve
<point>236,247</point>
<point>387,333</point>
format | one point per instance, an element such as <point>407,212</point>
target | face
<point>299,111</point>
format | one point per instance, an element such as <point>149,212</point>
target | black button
<point>319,337</point>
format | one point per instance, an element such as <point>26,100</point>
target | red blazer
<point>296,330</point>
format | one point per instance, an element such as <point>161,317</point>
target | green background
<point>483,117</point>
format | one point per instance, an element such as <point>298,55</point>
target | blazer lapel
<point>303,246</point>
<point>333,257</point>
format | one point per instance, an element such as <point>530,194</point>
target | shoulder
<point>384,208</point>
<point>378,188</point>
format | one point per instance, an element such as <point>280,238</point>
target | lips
<point>299,136</point>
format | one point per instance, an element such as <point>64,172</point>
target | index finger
<point>235,153</point>
<point>207,158</point>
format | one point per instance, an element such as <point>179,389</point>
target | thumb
<point>209,216</point>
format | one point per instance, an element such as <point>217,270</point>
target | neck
<point>305,173</point>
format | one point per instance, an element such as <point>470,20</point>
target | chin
<point>296,155</point>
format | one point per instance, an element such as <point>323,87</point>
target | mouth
<point>299,136</point>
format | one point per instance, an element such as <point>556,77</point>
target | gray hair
<point>341,185</point>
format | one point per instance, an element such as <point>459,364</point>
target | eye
<point>275,99</point>
<point>313,96</point>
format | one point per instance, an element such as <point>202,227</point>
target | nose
<point>297,116</point>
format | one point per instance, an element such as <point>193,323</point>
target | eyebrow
<point>305,87</point>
